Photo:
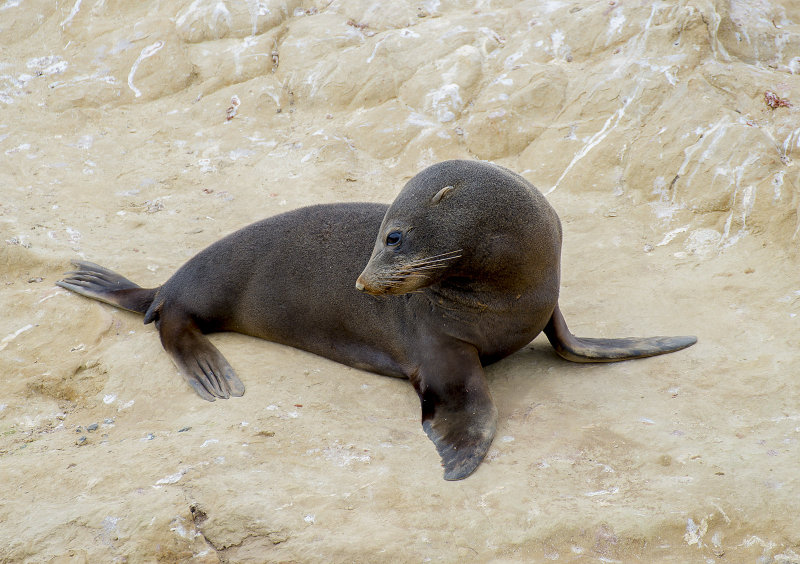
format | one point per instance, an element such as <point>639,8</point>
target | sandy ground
<point>647,126</point>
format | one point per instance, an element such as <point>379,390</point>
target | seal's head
<point>464,222</point>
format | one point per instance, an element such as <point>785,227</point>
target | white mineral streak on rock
<point>148,51</point>
<point>598,137</point>
<point>713,30</point>
<point>172,478</point>
<point>744,198</point>
<point>609,491</point>
<point>8,338</point>
<point>72,14</point>
<point>615,25</point>
<point>10,4</point>
<point>792,141</point>
<point>703,242</point>
<point>51,64</point>
<point>694,532</point>
<point>257,8</point>
<point>668,237</point>
<point>447,102</point>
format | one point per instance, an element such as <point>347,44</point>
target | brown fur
<point>477,264</point>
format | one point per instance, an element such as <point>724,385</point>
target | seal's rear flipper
<point>578,349</point>
<point>200,363</point>
<point>458,414</point>
<point>96,282</point>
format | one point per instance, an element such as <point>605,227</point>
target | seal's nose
<point>359,285</point>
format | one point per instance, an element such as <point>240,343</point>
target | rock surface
<point>664,133</point>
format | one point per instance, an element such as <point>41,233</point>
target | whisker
<point>447,253</point>
<point>450,255</point>
<point>434,263</point>
<point>425,266</point>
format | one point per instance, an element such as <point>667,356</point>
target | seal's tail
<point>578,349</point>
<point>96,282</point>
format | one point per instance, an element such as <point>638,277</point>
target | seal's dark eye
<point>393,239</point>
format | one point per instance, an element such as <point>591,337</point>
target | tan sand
<point>646,123</point>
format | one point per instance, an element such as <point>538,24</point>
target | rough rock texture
<point>664,133</point>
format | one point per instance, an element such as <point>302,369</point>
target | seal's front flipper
<point>96,282</point>
<point>458,414</point>
<point>578,349</point>
<point>201,364</point>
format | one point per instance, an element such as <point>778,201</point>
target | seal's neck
<point>473,294</point>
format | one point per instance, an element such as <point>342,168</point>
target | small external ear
<point>442,194</point>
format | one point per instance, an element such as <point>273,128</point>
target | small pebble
<point>81,441</point>
<point>79,429</point>
<point>108,421</point>
<point>149,437</point>
<point>92,427</point>
<point>184,429</point>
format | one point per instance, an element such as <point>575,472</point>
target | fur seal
<point>465,271</point>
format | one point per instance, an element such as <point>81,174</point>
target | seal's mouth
<point>363,286</point>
